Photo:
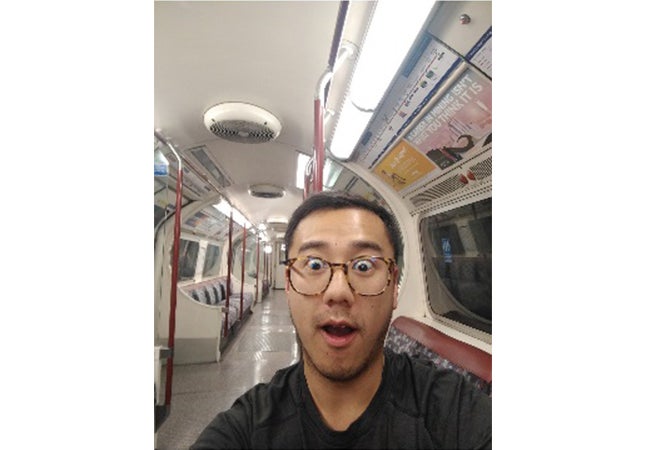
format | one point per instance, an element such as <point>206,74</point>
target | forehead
<point>347,229</point>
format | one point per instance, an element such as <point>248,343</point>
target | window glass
<point>187,255</point>
<point>250,261</point>
<point>164,193</point>
<point>162,201</point>
<point>158,214</point>
<point>250,266</point>
<point>211,264</point>
<point>458,253</point>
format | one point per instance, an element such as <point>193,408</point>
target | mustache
<point>327,318</point>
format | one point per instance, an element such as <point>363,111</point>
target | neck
<point>342,402</point>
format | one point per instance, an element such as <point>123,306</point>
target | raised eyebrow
<point>367,245</point>
<point>359,245</point>
<point>309,245</point>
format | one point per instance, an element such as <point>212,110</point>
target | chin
<point>340,372</point>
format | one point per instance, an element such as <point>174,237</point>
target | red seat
<point>458,353</point>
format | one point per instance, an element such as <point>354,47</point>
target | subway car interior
<point>256,106</point>
<point>259,104</point>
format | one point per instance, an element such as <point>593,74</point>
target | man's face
<point>341,332</point>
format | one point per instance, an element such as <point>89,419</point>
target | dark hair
<point>332,200</point>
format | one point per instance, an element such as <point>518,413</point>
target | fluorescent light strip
<point>225,208</point>
<point>392,31</point>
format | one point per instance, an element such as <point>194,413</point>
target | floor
<point>264,343</point>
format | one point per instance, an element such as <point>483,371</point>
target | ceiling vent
<point>266,191</point>
<point>242,122</point>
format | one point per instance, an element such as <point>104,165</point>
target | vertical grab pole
<point>228,279</point>
<point>174,280</point>
<point>320,99</point>
<point>257,272</point>
<point>319,143</point>
<point>264,275</point>
<point>267,270</point>
<point>243,274</point>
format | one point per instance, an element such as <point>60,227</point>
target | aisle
<point>265,343</point>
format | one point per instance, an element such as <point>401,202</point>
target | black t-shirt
<point>416,406</point>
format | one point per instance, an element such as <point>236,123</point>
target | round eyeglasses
<point>366,275</point>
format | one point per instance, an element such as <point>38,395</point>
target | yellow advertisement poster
<point>403,165</point>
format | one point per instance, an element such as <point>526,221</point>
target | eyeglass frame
<point>289,263</point>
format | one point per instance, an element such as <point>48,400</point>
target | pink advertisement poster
<point>457,121</point>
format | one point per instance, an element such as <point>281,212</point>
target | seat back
<point>407,335</point>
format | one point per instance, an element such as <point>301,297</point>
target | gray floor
<point>265,343</point>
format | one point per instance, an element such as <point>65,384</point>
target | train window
<point>250,261</point>
<point>458,259</point>
<point>210,265</point>
<point>161,202</point>
<point>187,255</point>
<point>251,258</point>
<point>158,214</point>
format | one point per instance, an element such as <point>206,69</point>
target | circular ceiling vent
<point>242,122</point>
<point>266,191</point>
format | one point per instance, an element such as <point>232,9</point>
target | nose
<point>338,290</point>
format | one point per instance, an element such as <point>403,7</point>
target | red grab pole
<point>228,279</point>
<point>174,281</point>
<point>243,274</point>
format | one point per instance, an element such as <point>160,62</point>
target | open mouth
<point>338,330</point>
<point>338,335</point>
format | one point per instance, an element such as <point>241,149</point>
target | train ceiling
<point>272,54</point>
<point>269,54</point>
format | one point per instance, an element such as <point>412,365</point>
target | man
<point>348,391</point>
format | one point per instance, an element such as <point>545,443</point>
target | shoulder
<point>449,405</point>
<point>261,406</point>
<point>421,384</point>
<point>418,373</point>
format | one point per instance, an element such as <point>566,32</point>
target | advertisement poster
<point>413,88</point>
<point>481,54</point>
<point>210,223</point>
<point>402,166</point>
<point>191,181</point>
<point>457,122</point>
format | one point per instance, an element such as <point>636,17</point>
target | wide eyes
<point>315,264</point>
<point>362,265</point>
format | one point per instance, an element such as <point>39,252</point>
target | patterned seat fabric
<point>401,342</point>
